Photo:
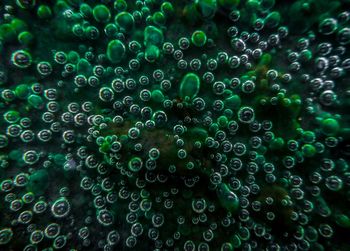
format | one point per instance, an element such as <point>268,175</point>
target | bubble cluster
<point>174,125</point>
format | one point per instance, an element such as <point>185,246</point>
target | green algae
<point>174,125</point>
<point>38,182</point>
<point>115,51</point>
<point>189,86</point>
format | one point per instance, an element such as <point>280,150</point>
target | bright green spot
<point>26,4</point>
<point>84,67</point>
<point>167,8</point>
<point>308,150</point>
<point>152,53</point>
<point>190,85</point>
<point>199,38</point>
<point>105,147</point>
<point>222,121</point>
<point>343,220</point>
<point>125,21</point>
<point>15,155</point>
<point>120,5</point>
<point>153,36</point>
<point>110,29</point>
<point>22,91</point>
<point>7,33</point>
<point>306,55</point>
<point>59,159</point>
<point>277,144</point>
<point>330,127</point>
<point>159,18</point>
<point>18,25</point>
<point>85,9</point>
<point>273,19</point>
<point>157,96</point>
<point>101,13</point>
<point>252,5</point>
<point>214,127</point>
<point>286,102</point>
<point>36,101</point>
<point>73,57</point>
<point>115,51</point>
<point>25,38</point>
<point>265,59</point>
<point>233,102</point>
<point>309,136</point>
<point>92,32</point>
<point>61,6</point>
<point>227,198</point>
<point>44,11</point>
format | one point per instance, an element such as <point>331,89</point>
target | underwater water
<point>188,125</point>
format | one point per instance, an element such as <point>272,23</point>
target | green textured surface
<point>174,125</point>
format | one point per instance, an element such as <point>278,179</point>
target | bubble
<point>113,237</point>
<point>239,149</point>
<point>60,208</point>
<point>28,197</point>
<point>5,235</point>
<point>234,62</point>
<point>36,236</point>
<point>131,241</point>
<point>44,68</point>
<point>343,36</point>
<point>334,183</point>
<point>39,207</point>
<point>325,230</point>
<point>199,205</point>
<point>6,185</point>
<point>137,229</point>
<point>84,233</point>
<point>21,180</point>
<point>25,217</point>
<point>16,205</point>
<point>246,114</point>
<point>106,94</point>
<point>21,59</point>
<point>199,38</point>
<point>59,242</point>
<point>105,217</point>
<point>158,220</point>
<point>68,136</point>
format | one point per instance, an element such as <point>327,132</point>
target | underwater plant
<point>188,125</point>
